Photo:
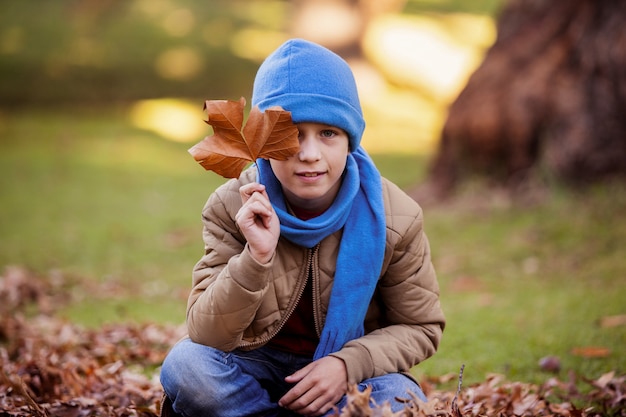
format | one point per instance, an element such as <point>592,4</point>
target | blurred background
<point>164,57</point>
<point>100,100</point>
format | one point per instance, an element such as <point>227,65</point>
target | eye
<point>328,133</point>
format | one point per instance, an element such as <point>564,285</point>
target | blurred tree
<point>549,98</point>
<point>69,52</point>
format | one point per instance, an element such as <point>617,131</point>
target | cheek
<point>337,153</point>
<point>339,165</point>
<point>279,167</point>
<point>342,157</point>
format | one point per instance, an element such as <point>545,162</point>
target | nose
<point>309,148</point>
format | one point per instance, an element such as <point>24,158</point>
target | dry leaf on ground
<point>50,367</point>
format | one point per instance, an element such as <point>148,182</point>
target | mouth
<point>310,174</point>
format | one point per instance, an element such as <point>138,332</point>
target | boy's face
<point>312,177</point>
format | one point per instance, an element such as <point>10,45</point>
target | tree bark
<point>549,98</point>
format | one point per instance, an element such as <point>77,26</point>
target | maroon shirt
<point>298,335</point>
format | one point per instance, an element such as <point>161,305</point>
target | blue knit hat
<point>314,84</point>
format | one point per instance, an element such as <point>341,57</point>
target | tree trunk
<point>549,98</point>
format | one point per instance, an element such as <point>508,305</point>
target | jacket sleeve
<point>228,284</point>
<point>409,295</point>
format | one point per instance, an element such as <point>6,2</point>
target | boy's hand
<point>319,386</point>
<point>258,222</point>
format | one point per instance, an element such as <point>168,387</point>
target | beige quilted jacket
<point>236,302</point>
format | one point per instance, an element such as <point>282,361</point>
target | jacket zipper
<point>315,289</point>
<point>309,271</point>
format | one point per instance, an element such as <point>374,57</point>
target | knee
<point>186,367</point>
<point>185,376</point>
<point>395,388</point>
<point>404,386</point>
<point>176,367</point>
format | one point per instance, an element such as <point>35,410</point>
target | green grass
<point>87,194</point>
<point>117,210</point>
<point>523,282</point>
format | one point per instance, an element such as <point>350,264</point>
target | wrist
<point>262,258</point>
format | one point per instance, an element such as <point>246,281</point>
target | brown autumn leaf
<point>51,367</point>
<point>232,146</point>
<point>613,321</point>
<point>591,351</point>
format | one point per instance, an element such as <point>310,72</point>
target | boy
<point>317,272</point>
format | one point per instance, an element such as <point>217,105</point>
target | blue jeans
<point>203,381</point>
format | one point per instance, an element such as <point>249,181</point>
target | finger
<point>262,208</point>
<point>289,398</point>
<point>317,406</point>
<point>293,397</point>
<point>255,198</point>
<point>259,201</point>
<point>254,213</point>
<point>248,190</point>
<point>298,375</point>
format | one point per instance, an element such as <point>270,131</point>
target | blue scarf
<point>359,210</point>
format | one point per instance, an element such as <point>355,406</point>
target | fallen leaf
<point>605,379</point>
<point>591,352</point>
<point>466,283</point>
<point>232,146</point>
<point>613,321</point>
<point>50,367</point>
